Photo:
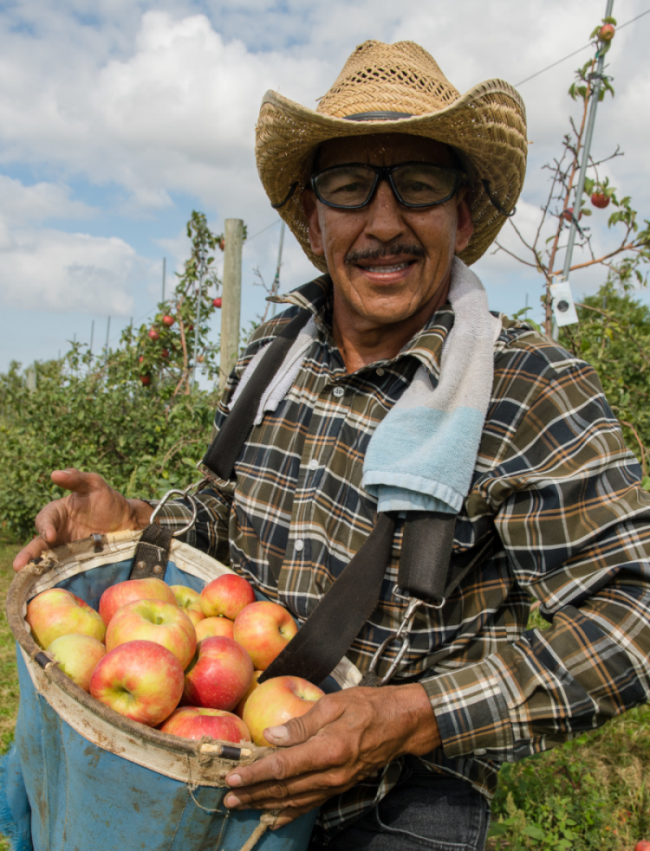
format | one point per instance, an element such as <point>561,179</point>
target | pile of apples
<point>169,657</point>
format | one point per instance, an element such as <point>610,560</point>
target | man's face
<point>388,262</point>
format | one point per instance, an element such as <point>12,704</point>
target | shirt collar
<point>426,345</point>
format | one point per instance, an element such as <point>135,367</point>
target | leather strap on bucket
<point>152,552</point>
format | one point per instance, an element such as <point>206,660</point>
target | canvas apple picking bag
<point>80,775</point>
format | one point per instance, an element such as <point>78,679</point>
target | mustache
<point>385,251</point>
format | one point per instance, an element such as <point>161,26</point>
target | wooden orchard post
<point>231,298</point>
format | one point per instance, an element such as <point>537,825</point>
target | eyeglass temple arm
<point>292,189</point>
<point>495,203</point>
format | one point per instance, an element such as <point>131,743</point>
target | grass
<point>592,793</point>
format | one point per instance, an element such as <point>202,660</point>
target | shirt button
<point>313,464</point>
<point>299,546</point>
<point>338,392</point>
<point>380,371</point>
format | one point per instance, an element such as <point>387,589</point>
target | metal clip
<point>187,493</point>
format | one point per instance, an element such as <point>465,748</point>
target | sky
<point>120,117</point>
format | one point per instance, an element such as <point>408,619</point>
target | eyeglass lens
<point>416,184</point>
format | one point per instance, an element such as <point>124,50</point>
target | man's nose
<point>384,221</point>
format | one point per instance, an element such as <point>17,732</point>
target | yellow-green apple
<point>190,601</point>
<point>141,680</point>
<point>57,612</point>
<point>226,595</point>
<point>194,722</point>
<point>277,701</point>
<point>77,656</point>
<point>214,626</point>
<point>239,709</point>
<point>606,32</point>
<point>119,595</point>
<point>219,674</point>
<point>151,620</point>
<point>264,629</point>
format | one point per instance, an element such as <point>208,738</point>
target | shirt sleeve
<point>575,526</point>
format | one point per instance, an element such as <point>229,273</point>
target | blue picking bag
<point>80,776</point>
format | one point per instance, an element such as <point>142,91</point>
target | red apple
<point>189,601</point>
<point>277,701</point>
<point>168,320</point>
<point>219,675</point>
<point>145,379</point>
<point>164,353</point>
<point>151,620</point>
<point>226,595</point>
<point>214,626</point>
<point>77,656</point>
<point>122,593</point>
<point>239,709</point>
<point>141,680</point>
<point>217,302</point>
<point>642,845</point>
<point>141,358</point>
<point>600,200</point>
<point>194,722</point>
<point>568,214</point>
<point>57,612</point>
<point>264,629</point>
<point>606,32</point>
<point>154,334</point>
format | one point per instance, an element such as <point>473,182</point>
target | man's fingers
<point>298,730</point>
<point>74,480</point>
<point>33,550</point>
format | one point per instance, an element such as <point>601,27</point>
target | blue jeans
<point>423,811</point>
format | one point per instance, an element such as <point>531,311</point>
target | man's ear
<point>313,223</point>
<point>464,224</point>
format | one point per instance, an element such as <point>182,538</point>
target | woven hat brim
<point>487,125</point>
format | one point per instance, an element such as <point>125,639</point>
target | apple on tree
<point>217,302</point>
<point>152,620</point>
<point>153,334</point>
<point>57,612</point>
<point>214,626</point>
<point>264,629</point>
<point>194,722</point>
<point>130,590</point>
<point>77,656</point>
<point>219,674</point>
<point>168,320</point>
<point>141,680</point>
<point>600,200</point>
<point>189,601</point>
<point>606,32</point>
<point>277,701</point>
<point>226,595</point>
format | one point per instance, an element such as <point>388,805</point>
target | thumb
<point>295,731</point>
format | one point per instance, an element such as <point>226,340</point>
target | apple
<point>145,379</point>
<point>642,845</point>
<point>568,214</point>
<point>600,200</point>
<point>125,592</point>
<point>606,32</point>
<point>219,674</point>
<point>264,629</point>
<point>189,601</point>
<point>168,320</point>
<point>153,334</point>
<point>57,612</point>
<point>77,656</point>
<point>152,620</point>
<point>226,595</point>
<point>277,701</point>
<point>140,359</point>
<point>194,722</point>
<point>239,709</point>
<point>141,680</point>
<point>164,353</point>
<point>217,302</point>
<point>209,627</point>
<point>222,243</point>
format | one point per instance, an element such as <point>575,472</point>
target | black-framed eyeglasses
<point>353,185</point>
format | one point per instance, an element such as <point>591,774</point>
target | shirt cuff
<point>471,712</point>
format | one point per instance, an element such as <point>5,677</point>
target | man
<point>392,178</point>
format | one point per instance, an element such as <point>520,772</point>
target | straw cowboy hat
<point>399,88</point>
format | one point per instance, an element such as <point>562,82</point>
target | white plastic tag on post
<point>564,309</point>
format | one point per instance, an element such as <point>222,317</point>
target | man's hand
<point>344,738</point>
<point>93,506</point>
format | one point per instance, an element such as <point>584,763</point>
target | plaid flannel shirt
<point>555,493</point>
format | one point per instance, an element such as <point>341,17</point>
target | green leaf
<point>534,832</point>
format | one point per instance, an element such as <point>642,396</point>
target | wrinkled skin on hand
<point>92,506</point>
<point>344,738</point>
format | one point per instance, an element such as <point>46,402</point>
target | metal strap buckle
<point>187,493</point>
<point>403,632</point>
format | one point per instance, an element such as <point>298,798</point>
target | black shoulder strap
<point>225,448</point>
